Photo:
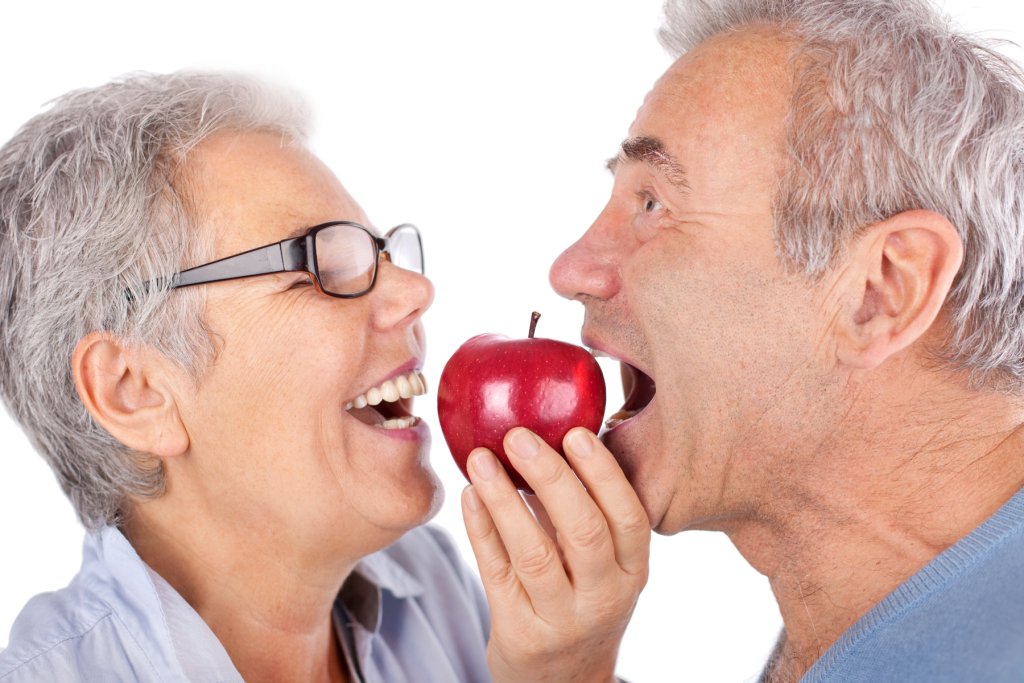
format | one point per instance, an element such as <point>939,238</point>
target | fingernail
<point>484,464</point>
<point>523,443</point>
<point>580,443</point>
<point>472,500</point>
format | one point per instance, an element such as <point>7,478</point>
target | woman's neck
<point>270,605</point>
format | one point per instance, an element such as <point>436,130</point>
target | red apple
<point>492,384</point>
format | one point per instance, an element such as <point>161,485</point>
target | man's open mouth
<point>639,390</point>
<point>389,404</point>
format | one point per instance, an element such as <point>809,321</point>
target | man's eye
<point>301,282</point>
<point>651,204</point>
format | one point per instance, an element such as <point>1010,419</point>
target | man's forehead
<point>740,67</point>
<point>727,89</point>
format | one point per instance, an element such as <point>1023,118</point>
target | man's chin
<point>616,441</point>
<point>632,459</point>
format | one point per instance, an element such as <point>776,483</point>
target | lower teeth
<point>619,417</point>
<point>399,423</point>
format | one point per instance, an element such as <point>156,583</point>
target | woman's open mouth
<point>389,404</point>
<point>639,390</point>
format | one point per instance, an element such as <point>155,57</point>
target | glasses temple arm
<point>273,258</point>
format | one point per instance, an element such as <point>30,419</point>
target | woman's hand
<point>561,584</point>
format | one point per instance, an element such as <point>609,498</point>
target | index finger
<point>606,483</point>
<point>583,532</point>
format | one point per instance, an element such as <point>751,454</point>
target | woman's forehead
<point>255,188</point>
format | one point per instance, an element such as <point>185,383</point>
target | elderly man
<point>812,269</point>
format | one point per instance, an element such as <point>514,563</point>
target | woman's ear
<point>129,391</point>
<point>898,274</point>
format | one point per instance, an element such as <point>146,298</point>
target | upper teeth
<point>403,386</point>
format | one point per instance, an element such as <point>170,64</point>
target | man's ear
<point>128,390</point>
<point>898,275</point>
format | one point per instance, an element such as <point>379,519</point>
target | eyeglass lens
<point>405,248</point>
<point>346,256</point>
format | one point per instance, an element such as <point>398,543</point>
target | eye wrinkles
<point>652,151</point>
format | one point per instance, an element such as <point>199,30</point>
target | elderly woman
<point>217,355</point>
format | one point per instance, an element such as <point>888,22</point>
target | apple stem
<point>533,323</point>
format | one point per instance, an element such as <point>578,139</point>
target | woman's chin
<point>413,503</point>
<point>426,503</point>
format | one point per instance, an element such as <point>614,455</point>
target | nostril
<point>428,291</point>
<point>579,272</point>
<point>403,297</point>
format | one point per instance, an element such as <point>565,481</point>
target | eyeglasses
<point>340,257</point>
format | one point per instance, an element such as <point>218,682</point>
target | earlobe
<point>126,392</point>
<point>900,272</point>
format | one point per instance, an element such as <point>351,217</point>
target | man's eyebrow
<point>651,151</point>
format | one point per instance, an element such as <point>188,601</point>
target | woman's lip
<point>403,369</point>
<point>411,365</point>
<point>419,431</point>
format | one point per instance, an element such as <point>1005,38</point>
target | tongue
<point>368,415</point>
<point>375,415</point>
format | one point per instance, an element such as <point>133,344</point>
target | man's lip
<point>603,349</point>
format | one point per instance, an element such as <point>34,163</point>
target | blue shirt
<point>411,613</point>
<point>960,618</point>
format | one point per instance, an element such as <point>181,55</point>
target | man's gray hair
<point>95,204</point>
<point>895,110</point>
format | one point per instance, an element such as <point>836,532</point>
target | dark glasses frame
<point>295,254</point>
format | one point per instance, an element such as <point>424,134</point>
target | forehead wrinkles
<point>721,109</point>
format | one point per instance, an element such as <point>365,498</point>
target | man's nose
<point>589,267</point>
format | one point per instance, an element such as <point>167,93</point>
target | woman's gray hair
<point>94,208</point>
<point>894,110</point>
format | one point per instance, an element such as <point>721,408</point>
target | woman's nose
<point>403,296</point>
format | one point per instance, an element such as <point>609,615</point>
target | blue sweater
<point>961,618</point>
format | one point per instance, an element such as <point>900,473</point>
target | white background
<point>485,123</point>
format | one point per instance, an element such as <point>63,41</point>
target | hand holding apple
<point>563,569</point>
<point>492,384</point>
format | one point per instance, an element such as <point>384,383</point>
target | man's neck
<point>876,507</point>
